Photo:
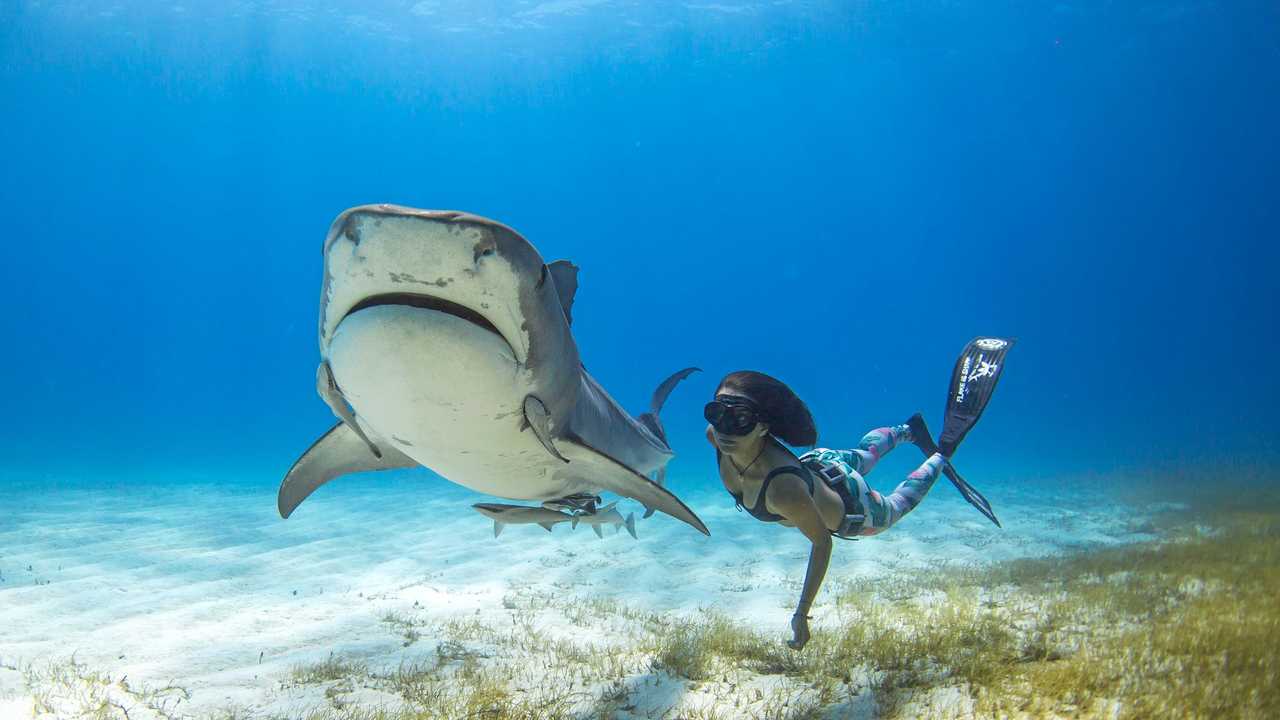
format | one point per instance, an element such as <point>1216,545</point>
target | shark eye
<point>483,252</point>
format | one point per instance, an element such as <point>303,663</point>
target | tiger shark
<point>445,342</point>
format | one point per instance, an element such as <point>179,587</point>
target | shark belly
<point>448,393</point>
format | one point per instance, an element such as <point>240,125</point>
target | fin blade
<point>631,525</point>
<point>547,525</point>
<point>339,452</point>
<point>971,494</point>
<point>497,528</point>
<point>973,380</point>
<point>599,532</point>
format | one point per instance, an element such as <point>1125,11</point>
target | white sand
<point>206,587</point>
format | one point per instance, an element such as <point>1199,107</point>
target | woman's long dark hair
<point>786,414</point>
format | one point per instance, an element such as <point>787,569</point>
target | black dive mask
<point>732,414</point>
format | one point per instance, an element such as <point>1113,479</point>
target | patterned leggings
<point>867,512</point>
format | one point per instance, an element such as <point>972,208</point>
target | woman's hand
<point>789,497</point>
<point>800,631</point>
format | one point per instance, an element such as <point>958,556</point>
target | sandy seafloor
<point>205,586</point>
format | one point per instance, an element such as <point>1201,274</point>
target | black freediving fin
<point>924,441</point>
<point>972,382</point>
<point>971,494</point>
<point>921,437</point>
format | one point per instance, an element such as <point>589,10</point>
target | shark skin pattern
<point>445,342</point>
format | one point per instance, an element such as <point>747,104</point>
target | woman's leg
<point>874,445</point>
<point>882,511</point>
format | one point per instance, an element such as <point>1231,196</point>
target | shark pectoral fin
<point>328,389</point>
<point>565,275</point>
<point>599,532</point>
<point>548,525</point>
<point>538,419</point>
<point>497,528</point>
<point>338,452</point>
<point>608,474</point>
<point>631,525</point>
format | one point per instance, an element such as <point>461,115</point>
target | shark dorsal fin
<point>565,275</point>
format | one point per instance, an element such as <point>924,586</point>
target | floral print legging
<point>867,512</point>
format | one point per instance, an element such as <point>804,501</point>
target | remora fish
<point>503,515</point>
<point>445,341</point>
<point>607,515</point>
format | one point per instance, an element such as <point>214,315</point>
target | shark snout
<point>446,261</point>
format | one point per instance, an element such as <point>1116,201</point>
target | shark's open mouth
<point>428,302</point>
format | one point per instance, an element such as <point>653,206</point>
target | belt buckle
<point>831,472</point>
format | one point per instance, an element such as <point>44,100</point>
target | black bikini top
<point>758,511</point>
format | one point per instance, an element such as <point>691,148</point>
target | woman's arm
<point>788,497</point>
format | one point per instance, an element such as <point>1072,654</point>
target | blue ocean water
<point>839,194</point>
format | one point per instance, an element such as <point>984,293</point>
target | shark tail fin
<point>547,525</point>
<point>599,532</point>
<point>650,419</point>
<point>497,528</point>
<point>631,525</point>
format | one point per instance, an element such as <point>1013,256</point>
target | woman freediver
<point>823,492</point>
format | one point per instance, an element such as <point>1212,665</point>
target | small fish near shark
<point>446,342</point>
<point>504,515</point>
<point>607,515</point>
